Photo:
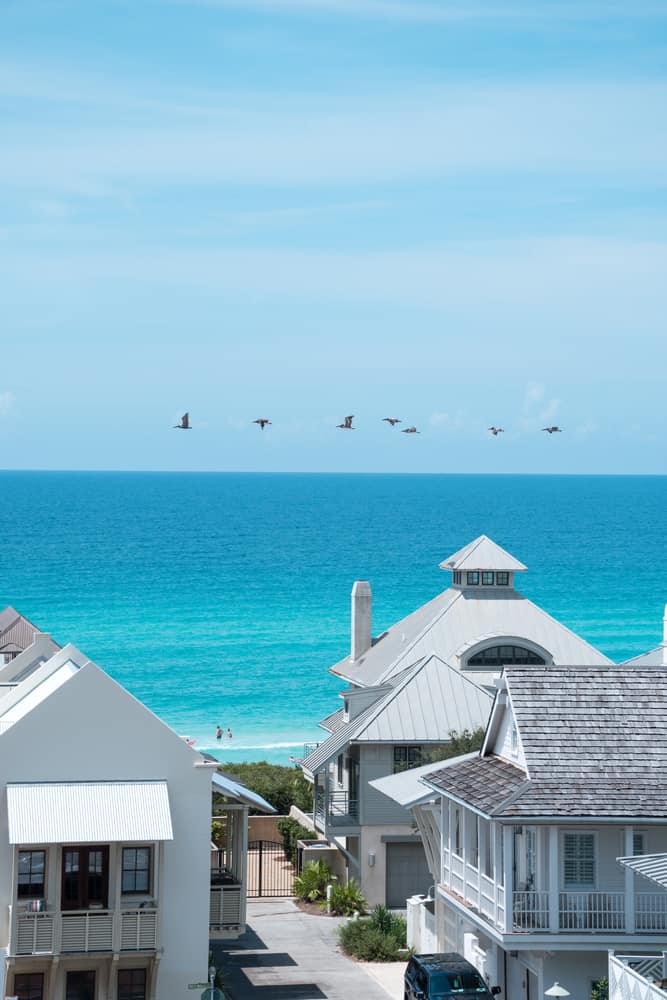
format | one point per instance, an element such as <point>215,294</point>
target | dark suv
<point>439,977</point>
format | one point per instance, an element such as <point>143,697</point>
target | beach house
<point>105,839</point>
<point>409,687</point>
<point>523,837</point>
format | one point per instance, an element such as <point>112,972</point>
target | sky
<point>448,212</point>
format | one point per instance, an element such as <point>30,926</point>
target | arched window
<point>494,657</point>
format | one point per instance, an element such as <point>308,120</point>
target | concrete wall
<point>373,878</point>
<point>91,729</point>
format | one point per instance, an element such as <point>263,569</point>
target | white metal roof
<point>88,812</point>
<point>233,789</point>
<point>483,553</point>
<point>653,866</point>
<point>430,702</point>
<point>462,618</point>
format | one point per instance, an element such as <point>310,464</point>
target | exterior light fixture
<point>556,991</point>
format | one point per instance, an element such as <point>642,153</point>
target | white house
<point>523,838</point>
<point>105,831</point>
<point>411,686</point>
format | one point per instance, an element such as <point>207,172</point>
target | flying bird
<point>497,430</point>
<point>410,430</point>
<point>347,424</point>
<point>391,420</point>
<point>263,422</point>
<point>184,424</point>
<point>552,430</point>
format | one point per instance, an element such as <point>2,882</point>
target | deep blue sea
<point>223,598</point>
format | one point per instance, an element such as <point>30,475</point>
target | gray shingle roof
<point>484,782</point>
<point>16,631</point>
<point>594,740</point>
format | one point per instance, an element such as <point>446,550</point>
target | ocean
<point>222,599</point>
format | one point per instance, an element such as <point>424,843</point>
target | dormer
<point>482,566</point>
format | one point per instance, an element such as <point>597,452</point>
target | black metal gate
<point>269,871</point>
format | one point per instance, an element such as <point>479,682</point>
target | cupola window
<point>502,578</point>
<point>472,578</point>
<point>487,577</point>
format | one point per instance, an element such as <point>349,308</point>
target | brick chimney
<point>361,618</point>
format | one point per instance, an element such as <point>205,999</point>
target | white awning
<point>88,812</point>
<point>653,866</point>
<point>233,789</point>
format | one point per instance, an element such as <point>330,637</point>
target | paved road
<point>286,954</point>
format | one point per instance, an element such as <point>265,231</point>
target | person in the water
<point>218,733</point>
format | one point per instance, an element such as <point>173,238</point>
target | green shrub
<point>311,884</point>
<point>291,831</point>
<point>347,899</point>
<point>368,943</point>
<point>389,923</point>
<point>600,990</point>
<point>283,787</point>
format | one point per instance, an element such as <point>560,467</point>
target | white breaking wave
<point>231,745</point>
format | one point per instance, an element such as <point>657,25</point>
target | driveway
<point>286,954</point>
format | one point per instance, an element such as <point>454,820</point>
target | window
<point>339,769</point>
<point>502,578</point>
<point>85,878</point>
<point>578,860</point>
<point>29,985</point>
<point>495,657</point>
<point>473,824</point>
<point>472,578</point>
<point>136,870</point>
<point>406,757</point>
<point>131,984</point>
<point>487,578</point>
<point>488,834</point>
<point>457,576</point>
<point>32,865</point>
<point>80,985</point>
<point>638,844</point>
<point>514,739</point>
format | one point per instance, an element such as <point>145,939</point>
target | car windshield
<point>456,983</point>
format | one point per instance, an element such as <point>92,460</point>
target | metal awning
<point>653,866</point>
<point>88,812</point>
<point>233,789</point>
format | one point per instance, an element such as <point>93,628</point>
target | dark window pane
<point>497,656</point>
<point>29,985</point>
<point>472,578</point>
<point>502,579</point>
<point>31,874</point>
<point>487,577</point>
<point>136,869</point>
<point>80,985</point>
<point>131,984</point>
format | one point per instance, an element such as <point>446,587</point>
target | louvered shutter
<point>578,859</point>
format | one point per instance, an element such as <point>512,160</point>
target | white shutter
<point>578,859</point>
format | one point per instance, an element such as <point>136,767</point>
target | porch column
<point>554,908</point>
<point>629,836</point>
<point>464,849</point>
<point>508,851</point>
<point>494,833</point>
<point>244,866</point>
<point>444,804</point>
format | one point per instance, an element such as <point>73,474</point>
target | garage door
<point>407,873</point>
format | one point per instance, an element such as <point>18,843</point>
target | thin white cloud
<point>301,140</point>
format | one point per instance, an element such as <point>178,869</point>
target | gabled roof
<point>483,553</point>
<point>407,788</point>
<point>16,631</point>
<point>430,702</point>
<point>333,722</point>
<point>654,658</point>
<point>484,783</point>
<point>594,740</point>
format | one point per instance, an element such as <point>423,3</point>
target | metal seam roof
<point>88,812</point>
<point>233,789</point>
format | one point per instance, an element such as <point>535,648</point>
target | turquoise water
<point>224,598</point>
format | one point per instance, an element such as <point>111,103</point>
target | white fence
<point>84,931</point>
<point>633,977</point>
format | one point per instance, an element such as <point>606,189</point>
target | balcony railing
<point>336,809</point>
<point>84,931</point>
<point>590,911</point>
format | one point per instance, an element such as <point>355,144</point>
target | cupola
<point>482,565</point>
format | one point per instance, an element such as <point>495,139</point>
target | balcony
<point>83,931</point>
<point>590,911</point>
<point>336,809</point>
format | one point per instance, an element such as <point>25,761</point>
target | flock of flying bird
<point>263,422</point>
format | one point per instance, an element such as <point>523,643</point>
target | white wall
<point>91,729</point>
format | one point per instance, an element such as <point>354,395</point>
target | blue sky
<point>453,213</point>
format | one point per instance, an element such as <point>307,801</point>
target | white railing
<point>628,983</point>
<point>225,907</point>
<point>651,911</point>
<point>530,911</point>
<point>591,911</point>
<point>84,931</point>
<point>487,892</point>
